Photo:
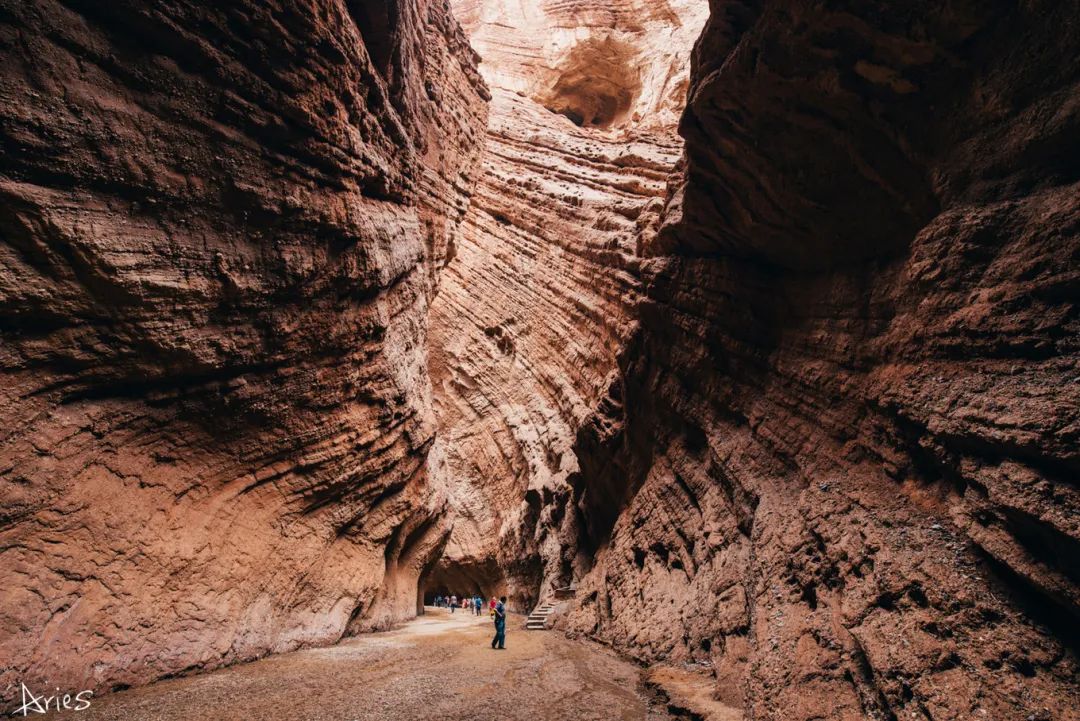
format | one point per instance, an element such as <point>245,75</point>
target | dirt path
<point>437,667</point>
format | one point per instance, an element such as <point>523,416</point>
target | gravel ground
<point>437,667</point>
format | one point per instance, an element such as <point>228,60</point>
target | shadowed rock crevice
<point>377,21</point>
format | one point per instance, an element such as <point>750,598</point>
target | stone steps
<point>537,620</point>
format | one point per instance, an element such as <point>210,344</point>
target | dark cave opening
<point>462,579</point>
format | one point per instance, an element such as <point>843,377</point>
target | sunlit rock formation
<point>220,228</point>
<point>537,299</point>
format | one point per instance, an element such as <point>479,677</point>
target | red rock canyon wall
<point>839,473</point>
<point>221,228</point>
<point>796,404</point>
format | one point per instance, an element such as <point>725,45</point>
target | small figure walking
<point>500,625</point>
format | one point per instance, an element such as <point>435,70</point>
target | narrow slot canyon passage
<point>538,297</point>
<point>733,344</point>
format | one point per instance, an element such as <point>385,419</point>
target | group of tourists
<point>465,603</point>
<point>497,609</point>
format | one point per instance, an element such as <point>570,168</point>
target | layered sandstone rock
<point>798,414</point>
<point>839,472</point>
<point>221,230</point>
<point>537,300</point>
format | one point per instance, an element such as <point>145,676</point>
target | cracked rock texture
<point>538,298</point>
<point>839,471</point>
<point>220,229</point>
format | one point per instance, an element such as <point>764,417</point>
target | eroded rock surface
<point>537,300</point>
<point>840,471</point>
<point>221,231</point>
<point>797,413</point>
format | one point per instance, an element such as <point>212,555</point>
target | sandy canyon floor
<point>437,667</point>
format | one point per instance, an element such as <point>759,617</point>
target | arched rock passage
<point>462,579</point>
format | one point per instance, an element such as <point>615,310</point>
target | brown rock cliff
<point>221,228</point>
<point>839,472</point>
<point>795,407</point>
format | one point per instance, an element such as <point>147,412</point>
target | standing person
<point>478,605</point>
<point>453,603</point>
<point>500,625</point>
<point>437,599</point>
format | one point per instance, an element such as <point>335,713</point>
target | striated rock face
<point>537,299</point>
<point>796,406</point>
<point>220,236</point>
<point>840,468</point>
